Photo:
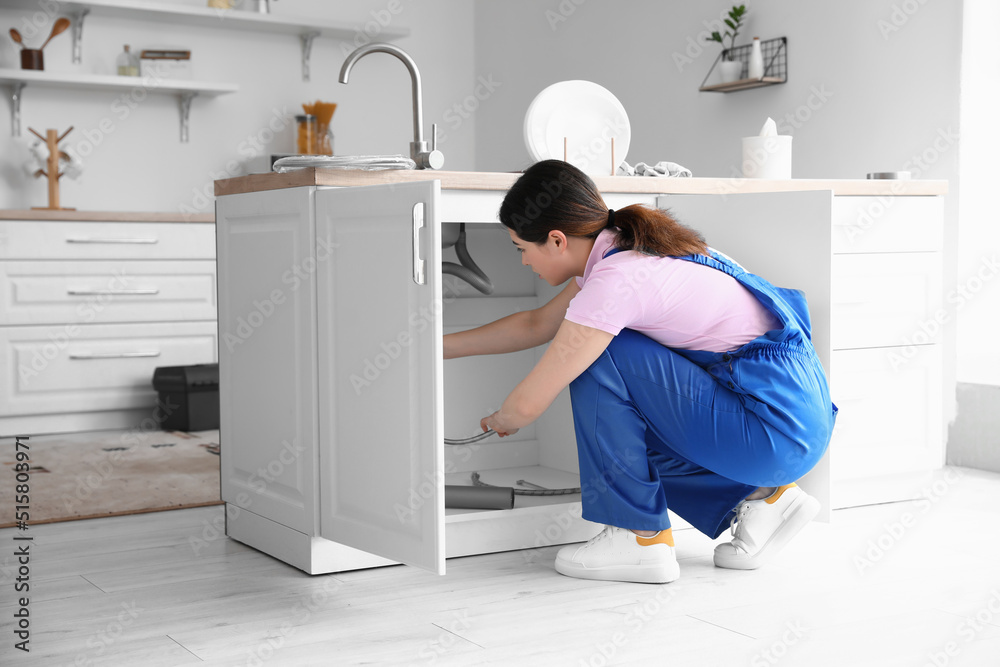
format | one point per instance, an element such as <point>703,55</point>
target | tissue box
<point>165,64</point>
<point>767,157</point>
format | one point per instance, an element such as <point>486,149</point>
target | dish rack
<point>775,52</point>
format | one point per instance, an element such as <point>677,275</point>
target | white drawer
<point>79,368</point>
<point>887,224</point>
<point>891,404</point>
<point>885,299</point>
<point>106,240</point>
<point>48,292</point>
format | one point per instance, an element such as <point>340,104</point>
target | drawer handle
<point>116,355</point>
<point>111,292</point>
<point>111,240</point>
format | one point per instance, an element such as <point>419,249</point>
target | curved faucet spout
<point>358,54</point>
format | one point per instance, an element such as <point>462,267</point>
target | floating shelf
<point>775,53</point>
<point>741,84</point>
<point>19,79</point>
<point>223,19</point>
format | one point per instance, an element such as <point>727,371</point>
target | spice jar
<point>306,141</point>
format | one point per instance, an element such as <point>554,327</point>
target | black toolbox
<point>188,397</point>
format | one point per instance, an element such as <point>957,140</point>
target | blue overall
<point>699,431</point>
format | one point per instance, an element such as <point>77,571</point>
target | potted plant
<point>730,69</point>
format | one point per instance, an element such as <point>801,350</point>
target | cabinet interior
<point>543,453</point>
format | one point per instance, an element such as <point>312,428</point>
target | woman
<point>694,384</point>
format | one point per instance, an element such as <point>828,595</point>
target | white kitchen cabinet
<point>336,401</point>
<point>89,308</point>
<point>339,393</point>
<point>871,269</point>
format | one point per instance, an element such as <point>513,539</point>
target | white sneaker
<point>617,554</point>
<point>762,527</point>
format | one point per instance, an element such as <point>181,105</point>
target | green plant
<point>735,21</point>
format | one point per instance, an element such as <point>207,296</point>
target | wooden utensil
<point>16,36</point>
<point>59,26</point>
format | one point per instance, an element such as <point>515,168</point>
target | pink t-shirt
<point>676,302</point>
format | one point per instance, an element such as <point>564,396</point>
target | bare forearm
<point>508,334</point>
<point>519,409</point>
<point>573,350</point>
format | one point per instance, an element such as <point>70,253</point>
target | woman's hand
<point>573,349</point>
<point>495,422</point>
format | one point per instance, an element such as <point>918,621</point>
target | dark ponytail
<point>553,194</point>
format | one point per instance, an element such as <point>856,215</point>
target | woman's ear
<point>558,239</point>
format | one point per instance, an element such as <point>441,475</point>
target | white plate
<point>588,116</point>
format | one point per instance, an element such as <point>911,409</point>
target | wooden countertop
<point>473,180</point>
<point>103,216</point>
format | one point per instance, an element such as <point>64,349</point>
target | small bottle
<point>128,64</point>
<point>755,68</point>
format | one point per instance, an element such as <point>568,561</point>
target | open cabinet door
<point>380,370</point>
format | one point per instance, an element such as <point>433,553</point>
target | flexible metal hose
<point>470,440</point>
<point>529,492</point>
<point>468,270</point>
<point>537,491</point>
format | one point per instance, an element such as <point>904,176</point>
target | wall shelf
<point>775,52</point>
<point>185,91</point>
<point>223,19</point>
<point>741,84</point>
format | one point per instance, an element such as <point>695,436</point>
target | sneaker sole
<point>802,513</point>
<point>651,573</point>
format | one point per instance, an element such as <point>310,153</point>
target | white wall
<point>979,234</point>
<point>861,96</point>
<point>873,85</point>
<point>141,165</point>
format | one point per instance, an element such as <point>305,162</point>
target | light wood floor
<point>914,584</point>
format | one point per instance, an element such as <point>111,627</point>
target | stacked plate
<point>363,162</point>
<point>578,119</point>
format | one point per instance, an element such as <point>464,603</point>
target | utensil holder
<point>32,59</point>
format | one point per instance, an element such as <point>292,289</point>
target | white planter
<point>730,70</point>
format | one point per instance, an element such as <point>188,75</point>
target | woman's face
<point>554,261</point>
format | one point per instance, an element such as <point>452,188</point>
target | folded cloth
<point>664,168</point>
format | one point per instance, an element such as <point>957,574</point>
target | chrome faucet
<point>425,157</point>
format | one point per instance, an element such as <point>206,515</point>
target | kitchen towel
<point>661,169</point>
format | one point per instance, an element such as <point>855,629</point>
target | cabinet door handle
<point>111,292</point>
<point>418,264</point>
<point>111,240</point>
<point>116,355</point>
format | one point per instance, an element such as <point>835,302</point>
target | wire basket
<point>775,55</point>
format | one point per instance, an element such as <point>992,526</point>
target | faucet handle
<point>432,159</point>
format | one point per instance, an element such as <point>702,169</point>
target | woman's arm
<point>519,331</point>
<point>574,348</point>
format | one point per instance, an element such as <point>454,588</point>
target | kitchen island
<point>332,304</point>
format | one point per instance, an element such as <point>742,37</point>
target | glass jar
<point>324,140</point>
<point>128,63</point>
<point>306,136</point>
